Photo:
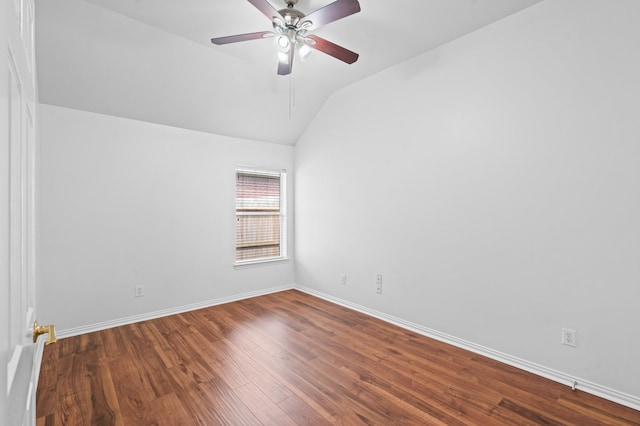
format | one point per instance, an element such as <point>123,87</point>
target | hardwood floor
<point>292,359</point>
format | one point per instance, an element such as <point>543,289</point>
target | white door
<point>19,357</point>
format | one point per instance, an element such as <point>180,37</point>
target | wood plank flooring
<point>292,359</point>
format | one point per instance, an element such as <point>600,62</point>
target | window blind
<point>259,217</point>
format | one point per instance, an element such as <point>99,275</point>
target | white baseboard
<point>557,376</point>
<point>69,332</point>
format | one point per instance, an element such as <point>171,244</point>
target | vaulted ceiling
<point>152,60</point>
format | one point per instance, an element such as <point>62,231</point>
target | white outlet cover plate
<point>569,337</point>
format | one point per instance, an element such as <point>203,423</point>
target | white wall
<point>494,184</point>
<point>125,203</point>
<point>5,258</point>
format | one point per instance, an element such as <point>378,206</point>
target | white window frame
<point>282,174</point>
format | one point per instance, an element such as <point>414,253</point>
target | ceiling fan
<point>291,31</point>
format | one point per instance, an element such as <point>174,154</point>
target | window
<point>260,215</point>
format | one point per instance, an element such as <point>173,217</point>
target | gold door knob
<point>44,329</point>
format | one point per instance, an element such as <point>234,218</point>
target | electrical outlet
<point>379,283</point>
<point>139,291</point>
<point>569,337</point>
<point>343,279</point>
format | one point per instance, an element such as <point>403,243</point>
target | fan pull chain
<point>292,95</point>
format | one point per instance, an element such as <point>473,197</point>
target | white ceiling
<point>152,60</point>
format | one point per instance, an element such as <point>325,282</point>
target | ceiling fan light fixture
<point>304,51</point>
<point>283,43</point>
<point>308,40</point>
<point>283,57</point>
<point>278,24</point>
<point>304,26</point>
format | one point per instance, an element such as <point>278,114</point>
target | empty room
<point>314,212</point>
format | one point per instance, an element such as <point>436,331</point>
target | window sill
<point>259,262</point>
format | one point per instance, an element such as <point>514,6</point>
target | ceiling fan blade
<point>241,37</point>
<point>332,49</point>
<point>265,7</point>
<point>332,12</point>
<point>285,67</point>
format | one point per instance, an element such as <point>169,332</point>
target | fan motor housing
<point>291,16</point>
